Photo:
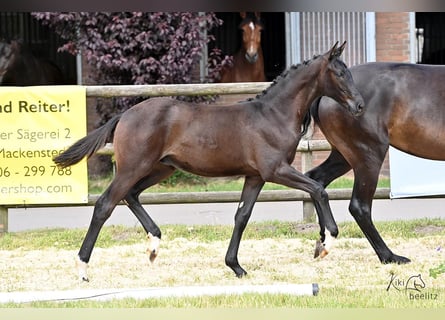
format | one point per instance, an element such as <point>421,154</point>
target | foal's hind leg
<point>102,211</point>
<point>132,200</point>
<point>251,189</point>
<point>333,167</point>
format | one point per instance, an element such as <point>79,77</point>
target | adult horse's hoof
<point>396,259</point>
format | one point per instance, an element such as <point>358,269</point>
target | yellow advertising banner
<point>37,124</point>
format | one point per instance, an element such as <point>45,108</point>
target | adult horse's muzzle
<point>251,58</point>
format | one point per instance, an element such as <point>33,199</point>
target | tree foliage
<point>137,47</point>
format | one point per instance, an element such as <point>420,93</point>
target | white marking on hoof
<point>328,243</point>
<point>153,246</point>
<point>82,269</point>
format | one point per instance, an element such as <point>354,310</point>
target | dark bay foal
<point>255,138</point>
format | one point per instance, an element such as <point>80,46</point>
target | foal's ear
<point>336,52</point>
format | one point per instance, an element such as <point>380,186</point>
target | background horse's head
<point>19,66</point>
<point>6,54</point>
<point>251,27</point>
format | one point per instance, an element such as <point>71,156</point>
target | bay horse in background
<point>248,62</point>
<point>20,67</point>
<point>404,109</point>
<point>255,138</point>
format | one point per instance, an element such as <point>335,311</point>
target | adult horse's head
<point>251,27</point>
<point>338,83</point>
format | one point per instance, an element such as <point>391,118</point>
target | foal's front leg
<point>333,167</point>
<point>289,176</point>
<point>251,189</point>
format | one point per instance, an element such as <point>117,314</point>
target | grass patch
<point>200,184</point>
<point>120,235</point>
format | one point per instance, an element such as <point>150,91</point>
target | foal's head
<point>336,81</point>
<point>251,27</point>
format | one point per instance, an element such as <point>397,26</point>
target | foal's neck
<point>295,91</point>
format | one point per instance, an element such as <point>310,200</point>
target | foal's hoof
<point>320,250</point>
<point>239,272</point>
<point>153,247</point>
<point>152,255</point>
<point>82,270</point>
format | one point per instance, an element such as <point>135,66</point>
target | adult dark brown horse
<point>20,67</point>
<point>256,138</point>
<point>404,108</point>
<point>248,62</point>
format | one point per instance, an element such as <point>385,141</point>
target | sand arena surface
<point>181,262</point>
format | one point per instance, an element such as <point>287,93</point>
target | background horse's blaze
<point>248,62</point>
<point>20,67</point>
<point>405,109</point>
<point>158,135</point>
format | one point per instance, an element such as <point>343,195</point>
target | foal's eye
<point>340,74</point>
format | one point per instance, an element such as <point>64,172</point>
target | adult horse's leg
<point>251,189</point>
<point>333,167</point>
<point>365,184</point>
<point>132,200</point>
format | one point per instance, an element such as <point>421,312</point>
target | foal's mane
<point>292,69</point>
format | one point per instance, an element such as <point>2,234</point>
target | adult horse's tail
<point>88,145</point>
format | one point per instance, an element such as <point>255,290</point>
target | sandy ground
<point>181,262</point>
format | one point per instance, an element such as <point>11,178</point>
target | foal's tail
<point>88,145</point>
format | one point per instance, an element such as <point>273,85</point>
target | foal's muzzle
<point>356,106</point>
